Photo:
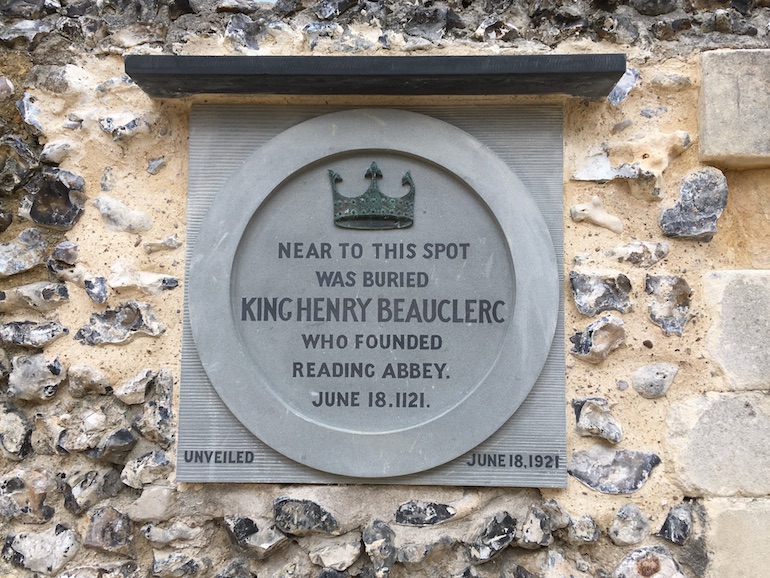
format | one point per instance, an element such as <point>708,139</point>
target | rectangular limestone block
<point>739,537</point>
<point>734,100</point>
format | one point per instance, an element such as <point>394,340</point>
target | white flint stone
<point>178,531</point>
<point>81,431</point>
<point>54,153</point>
<point>596,419</point>
<point>46,551</point>
<point>177,564</point>
<point>595,213</point>
<point>124,275</point>
<point>165,244</point>
<point>156,504</point>
<point>653,381</point>
<point>6,88</point>
<point>14,433</point>
<point>123,125</point>
<point>133,391</point>
<point>85,380</point>
<point>338,553</point>
<point>35,378</point>
<point>629,526</point>
<point>26,251</point>
<point>119,217</point>
<point>648,562</point>
<point>146,469</point>
<point>40,296</point>
<point>640,253</point>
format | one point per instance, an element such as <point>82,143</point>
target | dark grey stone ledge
<point>582,75</point>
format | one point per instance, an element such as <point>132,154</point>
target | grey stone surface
<point>652,381</point>
<point>23,253</point>
<point>378,539</point>
<point>721,443</point>
<point>302,517</point>
<point>419,513</point>
<point>535,530</point>
<point>119,217</point>
<point>629,526</point>
<point>735,93</point>
<point>258,537</point>
<point>121,324</point>
<point>740,304</point>
<point>582,530</point>
<point>31,334</point>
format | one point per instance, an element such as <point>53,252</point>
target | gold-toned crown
<point>373,210</point>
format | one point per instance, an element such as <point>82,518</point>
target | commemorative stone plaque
<point>372,295</point>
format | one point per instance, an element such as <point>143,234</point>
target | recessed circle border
<point>374,454</point>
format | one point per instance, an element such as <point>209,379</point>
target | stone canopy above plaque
<point>373,294</point>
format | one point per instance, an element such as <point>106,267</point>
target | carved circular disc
<point>383,351</point>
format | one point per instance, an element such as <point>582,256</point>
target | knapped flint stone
<point>702,198</point>
<point>85,380</point>
<point>134,390</point>
<point>582,530</point>
<point>123,125</point>
<point>165,244</point>
<point>23,9</point>
<point>119,217</point>
<point>558,517</point>
<point>378,539</point>
<point>432,23</point>
<point>640,253</point>
<point>21,33</point>
<point>5,364</point>
<point>53,198</point>
<point>332,573</point>
<point>6,88</point>
<point>125,276</point>
<point>45,552</point>
<point>303,517</point>
<point>25,252</point>
<point>31,334</point>
<point>154,166</point>
<point>81,491</point>
<point>237,568</point>
<point>115,446</point>
<point>652,381</point>
<point>6,218</point>
<point>245,32</point>
<point>496,534</point>
<point>628,81</point>
<point>136,34</point>
<point>599,339</point>
<point>96,288</point>
<point>654,7</point>
<point>122,324</point>
<point>536,530</point>
<point>124,569</point>
<point>595,293</point>
<point>629,526</point>
<point>178,531</point>
<point>669,305</point>
<point>23,494</point>
<point>330,9</point>
<point>146,469</point>
<point>54,153</point>
<point>27,105</point>
<point>156,422</point>
<point>259,538</point>
<point>493,28</point>
<point>337,553</point>
<point>40,296</point>
<point>109,531</point>
<point>236,6</point>
<point>419,513</point>
<point>80,433</point>
<point>17,161</point>
<point>286,8</point>
<point>677,525</point>
<point>177,565</point>
<point>66,252</point>
<point>34,378</point>
<point>522,572</point>
<point>594,418</point>
<point>612,471</point>
<point>648,562</point>
<point>15,433</point>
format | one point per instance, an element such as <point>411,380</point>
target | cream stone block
<point>720,444</point>
<point>738,339</point>
<point>734,99</point>
<point>739,532</point>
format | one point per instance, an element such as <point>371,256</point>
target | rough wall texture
<point>665,256</point>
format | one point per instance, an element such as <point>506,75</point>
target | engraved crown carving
<point>373,209</point>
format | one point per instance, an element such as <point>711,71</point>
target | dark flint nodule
<point>302,517</point>
<point>419,513</point>
<point>54,198</point>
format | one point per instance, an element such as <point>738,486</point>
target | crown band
<point>373,209</point>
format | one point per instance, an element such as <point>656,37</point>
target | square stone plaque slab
<point>527,450</point>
